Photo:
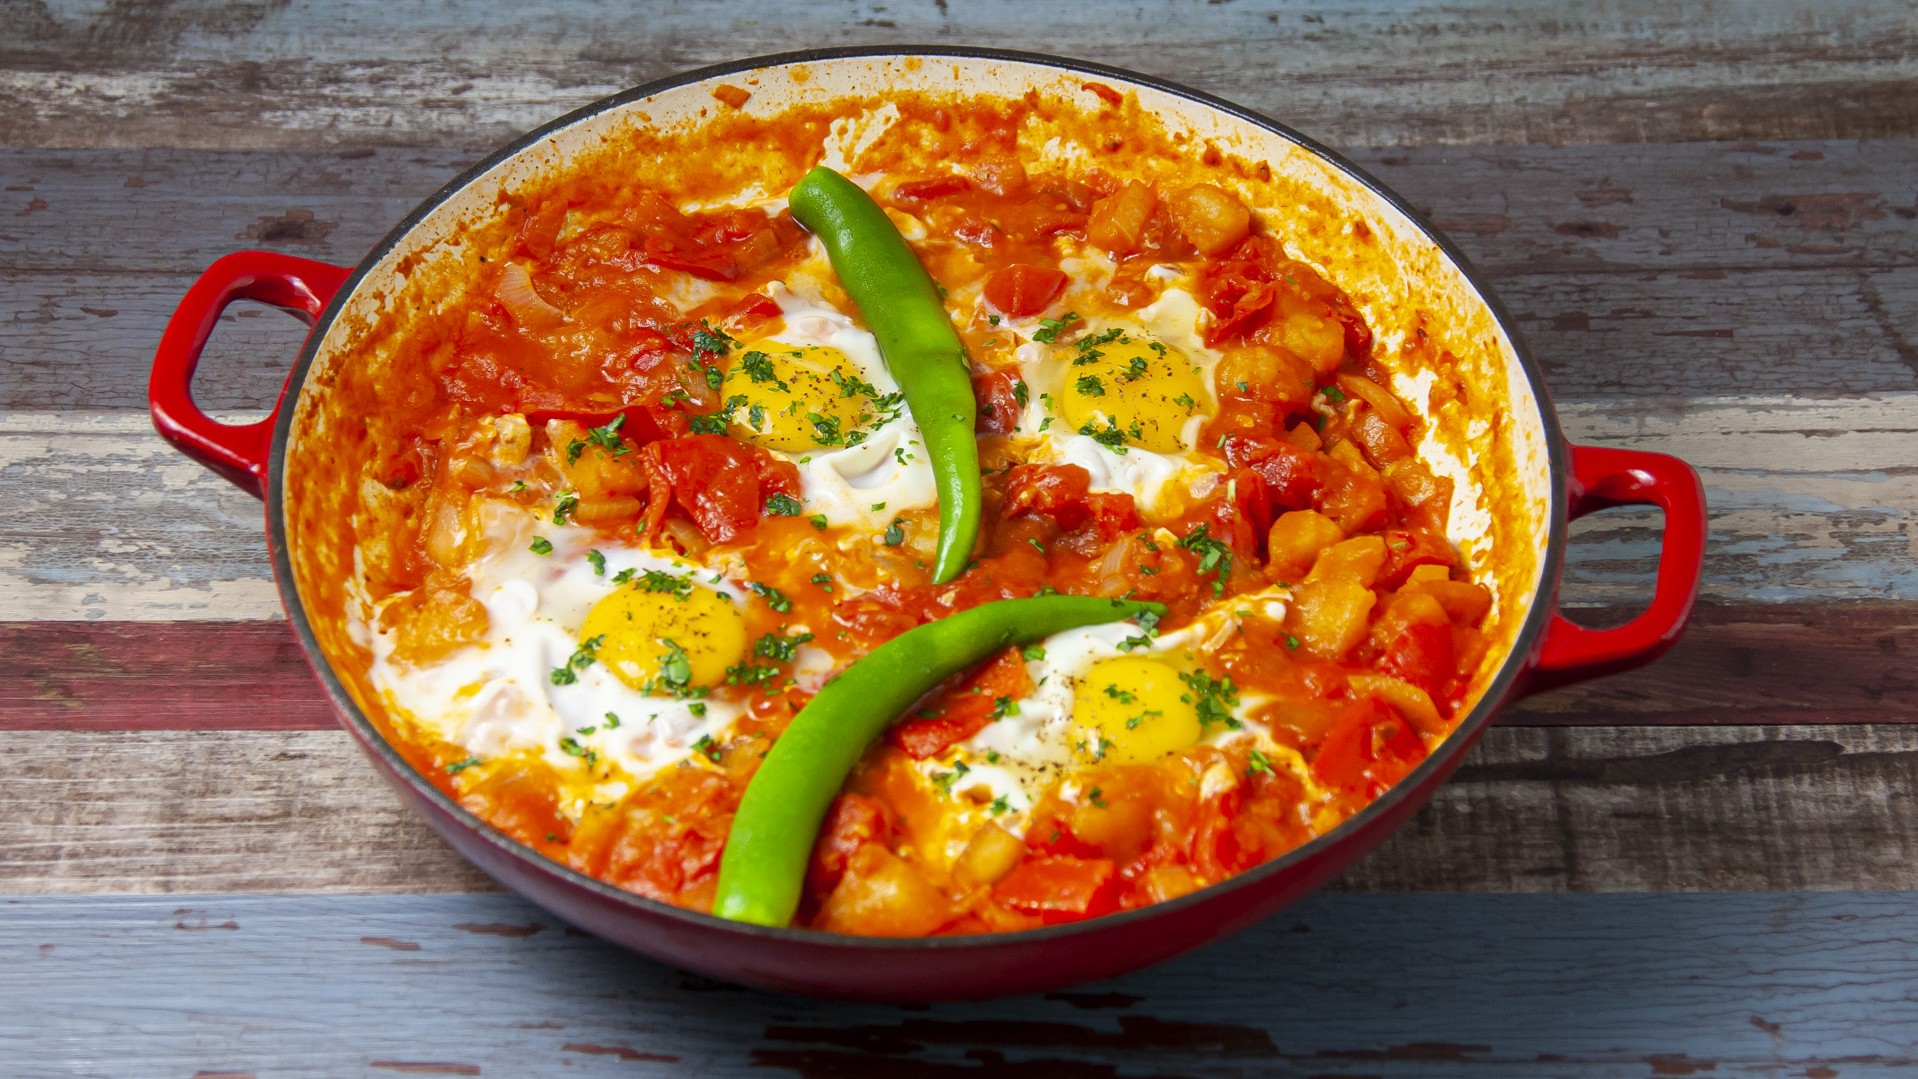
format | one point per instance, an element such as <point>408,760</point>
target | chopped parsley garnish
<point>705,747</point>
<point>460,766</point>
<point>582,658</point>
<point>944,780</point>
<point>1149,629</point>
<point>895,535</point>
<point>612,722</point>
<point>1033,653</point>
<point>1021,392</point>
<point>1120,695</point>
<point>710,341</point>
<point>607,437</point>
<point>783,505</point>
<point>1214,556</point>
<point>1333,394</point>
<point>562,509</point>
<point>518,485</point>
<point>1133,722</point>
<point>1134,369</point>
<point>1258,764</point>
<point>676,585</point>
<point>999,805</point>
<point>624,575</point>
<point>1186,400</point>
<point>759,367</point>
<point>774,598</point>
<point>1212,698</point>
<point>1096,797</point>
<point>598,562</point>
<point>1036,545</point>
<point>1291,642</point>
<point>823,580</point>
<point>674,665</point>
<point>825,429</point>
<point>541,545</point>
<point>1050,328</point>
<point>1090,386</point>
<point>571,747</point>
<point>1003,707</point>
<point>780,648</point>
<point>818,521</point>
<point>1110,436</point>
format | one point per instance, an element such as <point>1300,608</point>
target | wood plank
<point>411,72</point>
<point>1637,272</point>
<point>1601,809</point>
<point>1744,665</point>
<point>1811,500</point>
<point>1382,986</point>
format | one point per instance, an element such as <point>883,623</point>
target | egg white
<point>1015,759</point>
<point>496,696</point>
<point>890,468</point>
<point>1159,481</point>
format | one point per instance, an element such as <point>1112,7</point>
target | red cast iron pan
<point>1549,650</point>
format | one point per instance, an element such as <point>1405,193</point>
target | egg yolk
<point>795,397</point>
<point>659,642</point>
<point>1134,709</point>
<point>1126,390</point>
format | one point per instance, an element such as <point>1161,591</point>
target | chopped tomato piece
<point>1022,289</point>
<point>751,311</point>
<point>1105,93</point>
<point>722,484</point>
<point>998,395</point>
<point>1423,654</point>
<point>1058,888</point>
<point>1408,549</point>
<point>967,710</point>
<point>1370,748</point>
<point>1058,491</point>
<point>933,188</point>
<point>853,821</point>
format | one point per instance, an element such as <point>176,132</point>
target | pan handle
<point>236,451</point>
<point>1602,478</point>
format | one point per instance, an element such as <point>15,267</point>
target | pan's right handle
<point>236,451</point>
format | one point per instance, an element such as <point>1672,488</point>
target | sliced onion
<point>529,310</point>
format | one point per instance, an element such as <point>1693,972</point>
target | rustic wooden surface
<point>1705,219</point>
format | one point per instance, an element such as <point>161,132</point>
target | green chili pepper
<point>764,865</point>
<point>900,302</point>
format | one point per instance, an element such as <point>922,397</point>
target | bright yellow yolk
<point>1130,389</point>
<point>657,642</point>
<point>1131,707</point>
<point>786,397</point>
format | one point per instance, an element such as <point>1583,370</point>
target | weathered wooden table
<point>1707,222</point>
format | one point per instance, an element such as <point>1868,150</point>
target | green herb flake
<point>818,521</point>
<point>597,561</point>
<point>541,545</point>
<point>460,766</point>
<point>777,600</point>
<point>783,505</point>
<point>1050,328</point>
<point>1258,764</point>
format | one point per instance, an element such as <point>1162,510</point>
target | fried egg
<point>597,657</point>
<point>1109,693</point>
<point>1123,397</point>
<point>817,393</point>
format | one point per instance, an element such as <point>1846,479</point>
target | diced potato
<point>1358,559</point>
<point>1412,702</point>
<point>1430,572</point>
<point>589,469</point>
<point>1312,335</point>
<point>513,440</point>
<point>882,896</point>
<point>1121,828</point>
<point>1210,219</point>
<point>1295,541</point>
<point>1353,494</point>
<point>1268,374</point>
<point>1464,602</point>
<point>1117,222</point>
<point>990,854</point>
<point>1163,882</point>
<point>1410,607</point>
<point>1329,616</point>
<point>446,532</point>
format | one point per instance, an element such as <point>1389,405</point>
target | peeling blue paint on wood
<point>1340,985</point>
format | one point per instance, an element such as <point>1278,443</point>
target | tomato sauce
<point>612,305</point>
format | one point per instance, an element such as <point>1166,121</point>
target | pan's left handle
<point>236,451</point>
